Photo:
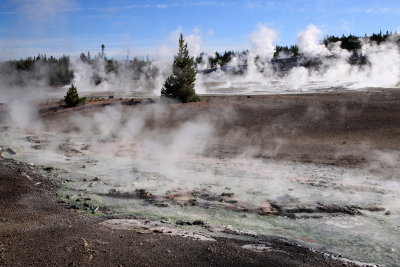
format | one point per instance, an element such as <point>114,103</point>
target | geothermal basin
<point>317,168</point>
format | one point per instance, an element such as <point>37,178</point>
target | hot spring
<point>197,163</point>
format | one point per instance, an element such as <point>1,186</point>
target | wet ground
<point>38,229</point>
<point>320,169</point>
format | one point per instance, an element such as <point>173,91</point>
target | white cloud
<point>162,6</point>
<point>44,9</point>
<point>259,4</point>
<point>210,33</point>
<point>374,10</point>
<point>346,25</point>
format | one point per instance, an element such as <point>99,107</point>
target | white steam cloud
<point>263,41</point>
<point>309,42</point>
<point>332,68</point>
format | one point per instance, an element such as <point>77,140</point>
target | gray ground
<point>36,228</point>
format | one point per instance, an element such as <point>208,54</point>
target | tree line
<point>353,42</point>
<point>349,42</point>
<point>57,71</point>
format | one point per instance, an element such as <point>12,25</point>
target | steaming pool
<point>345,211</point>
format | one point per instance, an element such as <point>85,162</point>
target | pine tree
<point>72,98</point>
<point>180,84</point>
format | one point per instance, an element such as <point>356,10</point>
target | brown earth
<point>344,128</point>
<point>37,229</point>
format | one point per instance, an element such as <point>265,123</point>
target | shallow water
<point>227,85</point>
<point>228,191</point>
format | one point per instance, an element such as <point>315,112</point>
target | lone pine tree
<point>180,84</point>
<point>72,98</point>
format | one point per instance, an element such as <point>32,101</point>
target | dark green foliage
<point>54,71</point>
<point>352,42</point>
<point>142,67</point>
<point>57,72</point>
<point>330,39</point>
<point>379,38</point>
<point>221,59</point>
<point>180,84</point>
<point>292,51</point>
<point>111,66</point>
<point>72,98</point>
<point>102,51</point>
<point>96,79</point>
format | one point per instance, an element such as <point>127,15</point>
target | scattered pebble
<point>10,151</point>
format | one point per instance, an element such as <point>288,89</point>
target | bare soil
<point>38,229</point>
<point>329,128</point>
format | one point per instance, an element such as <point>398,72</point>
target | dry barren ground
<point>37,229</point>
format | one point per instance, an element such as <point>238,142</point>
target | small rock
<point>48,169</point>
<point>143,193</point>
<point>192,201</point>
<point>96,179</point>
<point>230,201</point>
<point>290,215</point>
<point>387,212</point>
<point>161,204</point>
<point>180,222</point>
<point>33,139</point>
<point>10,151</point>
<point>266,210</point>
<point>375,208</point>
<point>338,209</point>
<point>113,191</point>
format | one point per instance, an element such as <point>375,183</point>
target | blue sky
<point>29,27</point>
